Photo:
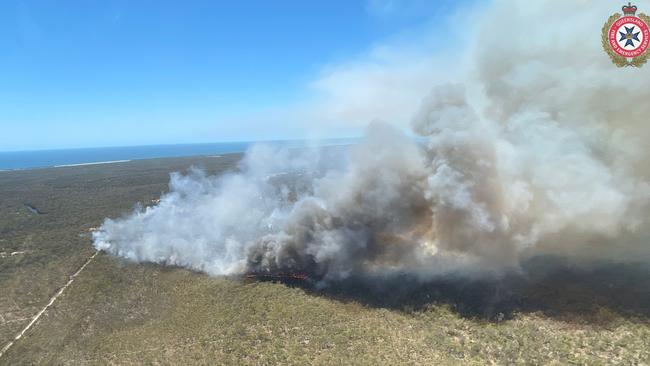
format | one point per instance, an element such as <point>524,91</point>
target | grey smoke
<point>542,150</point>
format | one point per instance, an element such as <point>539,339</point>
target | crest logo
<point>626,37</point>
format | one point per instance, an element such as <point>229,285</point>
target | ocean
<point>11,160</point>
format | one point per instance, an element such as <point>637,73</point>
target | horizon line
<point>181,144</point>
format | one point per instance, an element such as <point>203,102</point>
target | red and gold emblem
<point>626,37</point>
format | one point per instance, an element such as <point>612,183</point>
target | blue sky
<point>134,72</point>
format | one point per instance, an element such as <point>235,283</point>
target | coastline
<point>28,160</point>
<point>92,163</point>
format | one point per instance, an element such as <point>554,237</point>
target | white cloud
<point>386,82</point>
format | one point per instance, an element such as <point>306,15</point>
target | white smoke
<point>541,151</point>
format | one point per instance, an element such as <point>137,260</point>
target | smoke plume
<point>540,150</point>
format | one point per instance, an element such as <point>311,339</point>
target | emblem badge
<point>626,37</point>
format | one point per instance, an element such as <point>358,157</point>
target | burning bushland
<point>540,151</point>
